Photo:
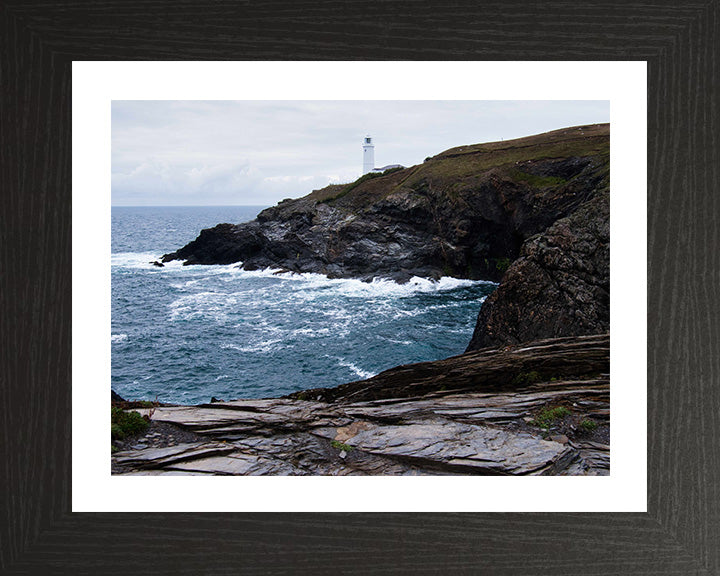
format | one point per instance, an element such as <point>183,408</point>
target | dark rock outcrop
<point>465,212</point>
<point>491,369</point>
<point>559,286</point>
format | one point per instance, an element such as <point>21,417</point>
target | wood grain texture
<point>681,532</point>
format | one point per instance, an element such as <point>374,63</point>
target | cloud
<point>246,152</point>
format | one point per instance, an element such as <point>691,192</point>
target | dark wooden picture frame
<point>680,533</point>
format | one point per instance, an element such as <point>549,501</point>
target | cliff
<point>465,212</point>
<point>559,286</point>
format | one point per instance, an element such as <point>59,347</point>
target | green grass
<point>353,185</point>
<point>125,424</point>
<point>340,446</point>
<point>459,168</point>
<point>588,425</point>
<point>525,378</point>
<point>469,160</point>
<point>548,416</point>
<point>538,181</point>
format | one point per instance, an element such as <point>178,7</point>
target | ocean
<point>183,334</point>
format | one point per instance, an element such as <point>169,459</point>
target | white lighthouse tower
<point>368,154</point>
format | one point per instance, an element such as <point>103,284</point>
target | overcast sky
<point>204,153</point>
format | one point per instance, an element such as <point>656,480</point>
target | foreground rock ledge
<point>471,414</point>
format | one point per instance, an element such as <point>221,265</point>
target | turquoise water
<point>188,333</point>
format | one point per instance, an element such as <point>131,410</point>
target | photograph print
<point>360,288</point>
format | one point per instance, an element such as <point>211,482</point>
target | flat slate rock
<point>469,431</point>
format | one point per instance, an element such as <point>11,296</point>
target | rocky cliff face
<point>465,212</point>
<point>559,286</point>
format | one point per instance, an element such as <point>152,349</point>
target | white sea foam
<point>134,260</point>
<point>202,304</point>
<point>116,338</point>
<point>348,286</point>
<point>264,346</point>
<point>309,285</point>
<point>378,288</point>
<point>189,283</point>
<point>403,342</point>
<point>310,332</point>
<point>363,374</point>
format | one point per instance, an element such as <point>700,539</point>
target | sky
<point>234,153</point>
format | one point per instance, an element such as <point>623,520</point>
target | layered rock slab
<point>481,431</point>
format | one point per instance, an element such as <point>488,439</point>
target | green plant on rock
<point>340,446</point>
<point>116,432</point>
<point>126,423</point>
<point>525,378</point>
<point>588,425</point>
<point>548,416</point>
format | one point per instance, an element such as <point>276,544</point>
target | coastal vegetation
<point>588,425</point>
<point>340,446</point>
<point>548,416</point>
<point>125,424</point>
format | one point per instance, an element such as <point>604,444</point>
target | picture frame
<point>681,530</point>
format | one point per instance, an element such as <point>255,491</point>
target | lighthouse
<point>368,154</point>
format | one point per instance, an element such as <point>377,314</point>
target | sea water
<point>184,334</point>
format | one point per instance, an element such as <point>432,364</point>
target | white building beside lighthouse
<point>368,154</point>
<point>369,158</point>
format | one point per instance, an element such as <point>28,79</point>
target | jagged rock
<point>559,286</point>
